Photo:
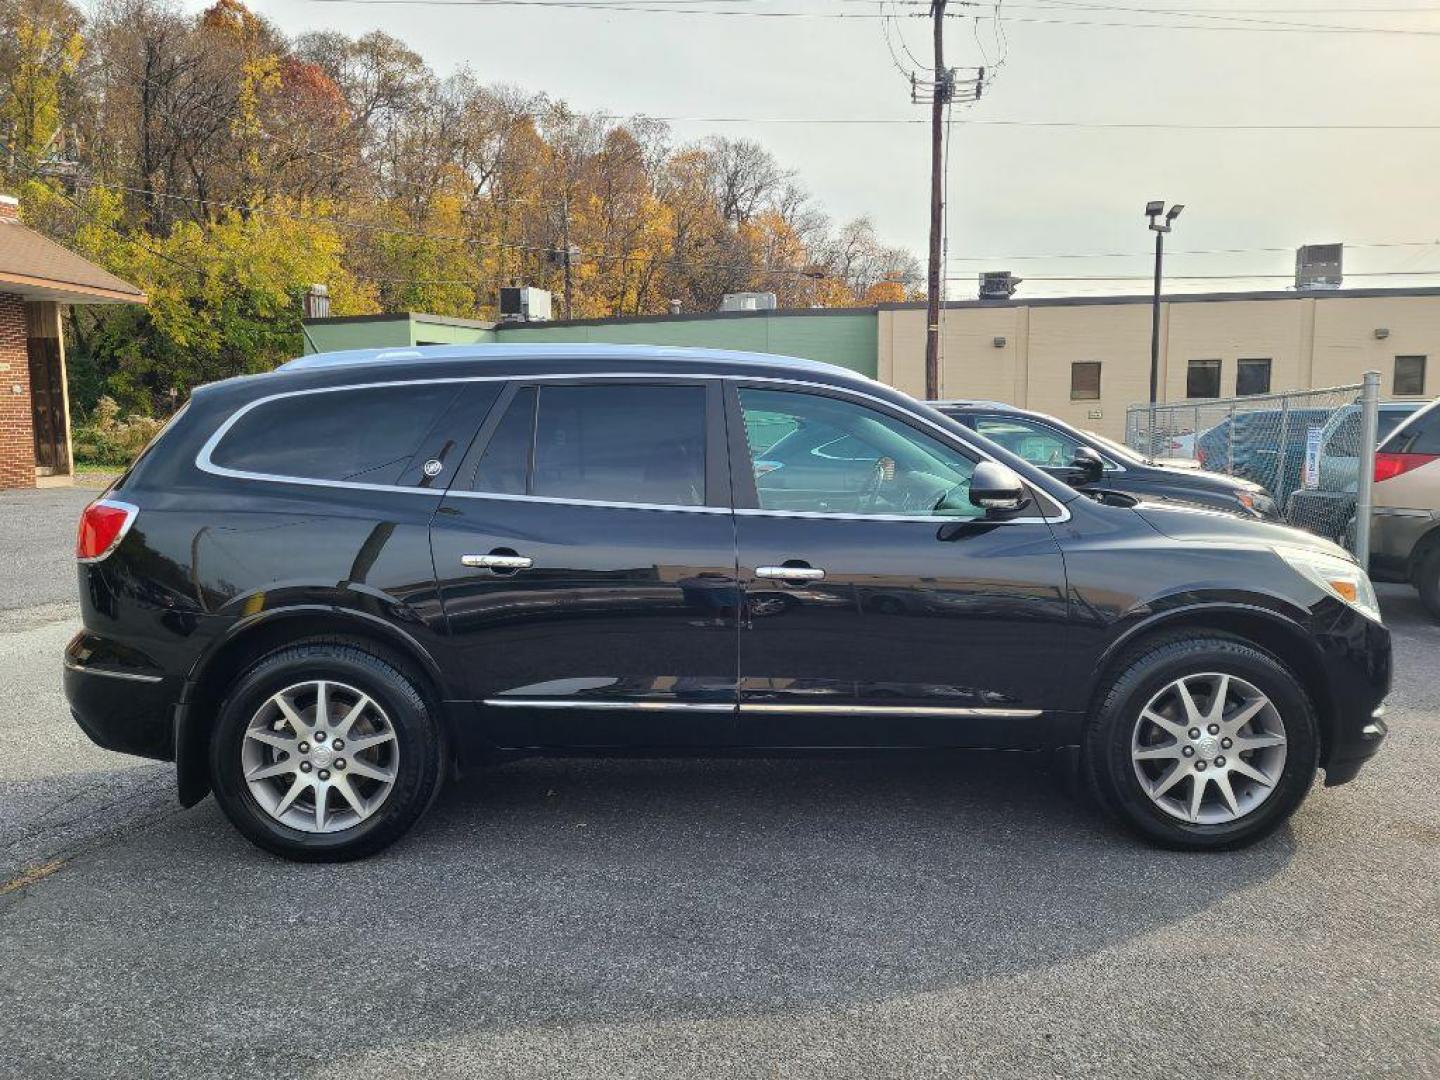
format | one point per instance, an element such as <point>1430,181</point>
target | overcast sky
<point>1021,190</point>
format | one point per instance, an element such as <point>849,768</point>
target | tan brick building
<point>37,278</point>
<point>1085,359</point>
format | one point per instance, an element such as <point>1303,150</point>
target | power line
<point>1212,277</point>
<point>639,7</point>
<point>1089,124</point>
<point>1191,251</point>
<point>626,6</point>
<point>1279,28</point>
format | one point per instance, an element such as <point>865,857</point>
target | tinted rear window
<point>504,466</point>
<point>628,444</point>
<point>366,435</point>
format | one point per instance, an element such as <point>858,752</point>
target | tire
<point>1427,582</point>
<point>394,736</point>
<point>1127,755</point>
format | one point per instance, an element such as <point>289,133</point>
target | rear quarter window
<point>366,435</point>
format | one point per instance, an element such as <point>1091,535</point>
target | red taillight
<point>102,526</point>
<point>1200,455</point>
<point>1389,466</point>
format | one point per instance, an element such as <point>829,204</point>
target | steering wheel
<point>870,493</point>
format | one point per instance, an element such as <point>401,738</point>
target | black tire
<point>1427,582</point>
<point>1110,774</point>
<point>418,736</point>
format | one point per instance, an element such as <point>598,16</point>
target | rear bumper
<point>1394,532</point>
<point>121,707</point>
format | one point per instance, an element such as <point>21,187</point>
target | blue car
<point>1257,447</point>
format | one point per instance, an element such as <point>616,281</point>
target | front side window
<point>1202,379</point>
<point>1409,376</point>
<point>365,435</point>
<point>818,454</point>
<point>1252,377</point>
<point>1036,443</point>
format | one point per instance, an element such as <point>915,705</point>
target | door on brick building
<point>47,401</point>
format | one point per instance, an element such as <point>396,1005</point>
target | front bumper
<point>1360,750</point>
<point>1357,673</point>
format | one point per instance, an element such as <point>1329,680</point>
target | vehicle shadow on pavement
<point>557,892</point>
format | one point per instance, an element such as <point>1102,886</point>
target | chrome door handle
<point>497,562</point>
<point>790,573</point>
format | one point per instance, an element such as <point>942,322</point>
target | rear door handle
<point>497,562</point>
<point>790,573</point>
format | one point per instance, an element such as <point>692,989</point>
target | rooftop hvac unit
<point>998,285</point>
<point>524,305</point>
<point>1319,266</point>
<point>748,301</point>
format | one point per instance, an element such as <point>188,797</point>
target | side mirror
<point>1088,465</point>
<point>996,488</point>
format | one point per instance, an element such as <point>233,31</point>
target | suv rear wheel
<point>1202,743</point>
<point>325,752</point>
<point>1427,581</point>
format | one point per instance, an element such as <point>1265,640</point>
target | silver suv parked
<point>1405,525</point>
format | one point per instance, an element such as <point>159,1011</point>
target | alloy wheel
<point>1209,748</point>
<point>320,756</point>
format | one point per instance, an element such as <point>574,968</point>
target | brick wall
<point>17,435</point>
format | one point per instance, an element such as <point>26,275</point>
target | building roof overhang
<point>37,268</point>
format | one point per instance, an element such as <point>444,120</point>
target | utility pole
<point>569,278</point>
<point>944,88</point>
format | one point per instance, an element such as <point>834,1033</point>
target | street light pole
<point>1155,317</point>
<point>1153,209</point>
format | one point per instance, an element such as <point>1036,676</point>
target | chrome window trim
<point>957,711</point>
<point>205,463</point>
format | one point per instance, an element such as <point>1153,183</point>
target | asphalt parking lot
<point>832,918</point>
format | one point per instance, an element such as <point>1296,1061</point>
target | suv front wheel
<point>1202,743</point>
<point>324,752</point>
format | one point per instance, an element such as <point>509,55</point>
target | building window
<point>1409,376</point>
<point>1252,377</point>
<point>1202,380</point>
<point>1085,380</point>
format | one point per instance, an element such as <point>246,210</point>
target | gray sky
<point>1021,190</point>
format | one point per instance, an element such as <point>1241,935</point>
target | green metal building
<point>845,336</point>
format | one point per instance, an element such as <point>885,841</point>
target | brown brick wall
<point>17,434</point>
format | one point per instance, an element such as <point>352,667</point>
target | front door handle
<point>790,573</point>
<point>497,562</point>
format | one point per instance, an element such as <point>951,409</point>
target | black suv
<point>323,588</point>
<point>1082,458</point>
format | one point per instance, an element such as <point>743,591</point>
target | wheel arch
<point>1268,631</point>
<point>1429,541</point>
<point>258,636</point>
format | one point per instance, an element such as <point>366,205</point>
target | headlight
<point>1339,577</point>
<point>1255,502</point>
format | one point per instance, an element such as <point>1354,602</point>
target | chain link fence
<point>1312,450</point>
